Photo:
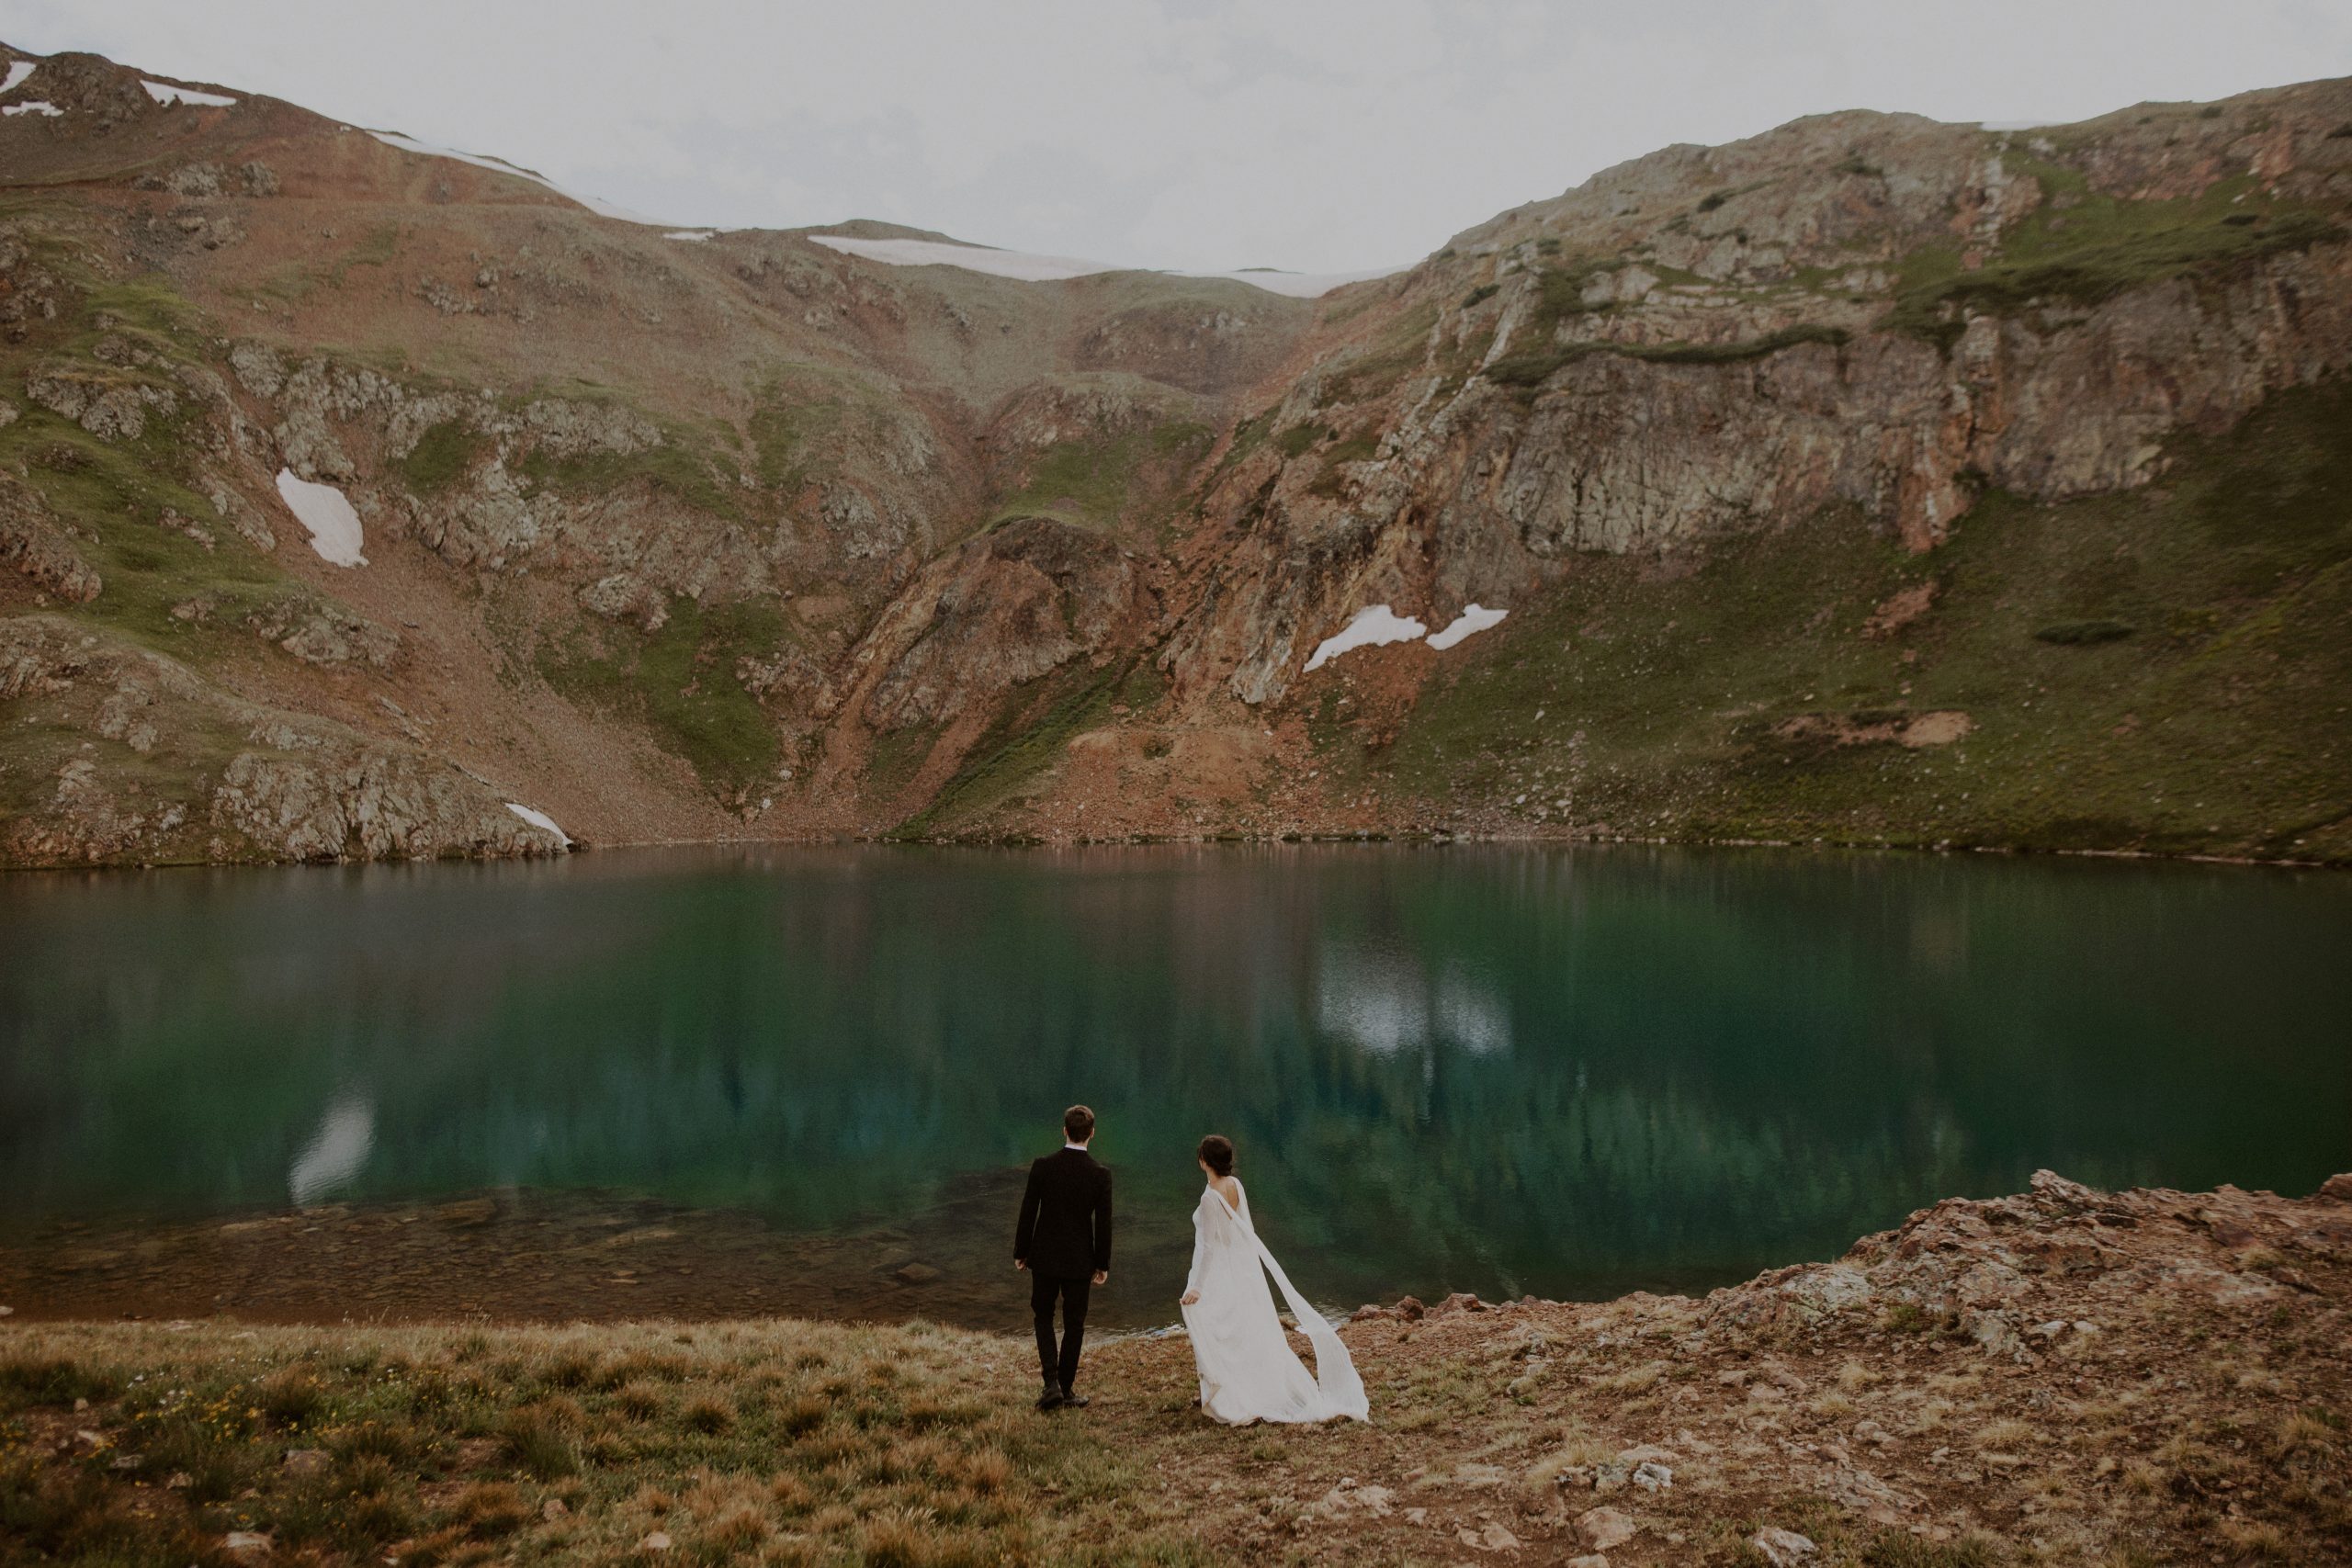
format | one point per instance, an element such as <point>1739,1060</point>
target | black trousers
<point>1044,1290</point>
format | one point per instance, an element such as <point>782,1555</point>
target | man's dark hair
<point>1216,1153</point>
<point>1077,1124</point>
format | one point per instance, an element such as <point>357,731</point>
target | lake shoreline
<point>1338,837</point>
<point>2059,1375</point>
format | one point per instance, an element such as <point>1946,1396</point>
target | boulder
<point>1490,1538</point>
<point>1782,1549</point>
<point>1605,1527</point>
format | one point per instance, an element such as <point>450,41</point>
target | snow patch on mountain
<point>1373,625</point>
<point>38,106</point>
<point>540,820</point>
<point>172,92</point>
<point>1474,619</point>
<point>326,512</point>
<point>18,71</point>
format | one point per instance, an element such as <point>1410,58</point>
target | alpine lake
<point>704,1083</point>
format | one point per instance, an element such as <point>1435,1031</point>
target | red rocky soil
<point>2065,1376</point>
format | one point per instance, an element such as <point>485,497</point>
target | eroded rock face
<point>320,633</point>
<point>90,84</point>
<point>31,541</point>
<point>346,425</point>
<point>222,779</point>
<point>109,408</point>
<point>1482,492</point>
<point>1199,346</point>
<point>1578,401</point>
<point>1022,600</point>
<point>328,801</point>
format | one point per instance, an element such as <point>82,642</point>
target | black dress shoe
<point>1075,1401</point>
<point>1051,1398</point>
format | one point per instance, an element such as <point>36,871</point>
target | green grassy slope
<point>2168,670</point>
<point>681,681</point>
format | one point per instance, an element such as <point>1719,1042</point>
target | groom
<point>1064,1241</point>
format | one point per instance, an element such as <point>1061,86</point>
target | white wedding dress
<point>1247,1370</point>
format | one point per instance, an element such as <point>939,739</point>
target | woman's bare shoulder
<point>1229,1189</point>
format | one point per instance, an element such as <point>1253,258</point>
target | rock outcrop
<point>177,770</point>
<point>1020,601</point>
<point>31,541</point>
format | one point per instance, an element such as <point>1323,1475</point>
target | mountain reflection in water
<point>1496,1069</point>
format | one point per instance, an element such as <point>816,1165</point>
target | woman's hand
<point>1191,1298</point>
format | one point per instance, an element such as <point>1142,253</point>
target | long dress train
<point>1247,1369</point>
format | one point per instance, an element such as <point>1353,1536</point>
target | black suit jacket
<point>1065,1231</point>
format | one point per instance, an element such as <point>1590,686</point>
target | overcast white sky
<point>1181,133</point>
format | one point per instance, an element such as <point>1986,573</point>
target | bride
<point>1247,1370</point>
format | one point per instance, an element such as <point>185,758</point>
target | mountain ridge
<point>1871,479</point>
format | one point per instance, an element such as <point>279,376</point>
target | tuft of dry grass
<point>291,1397</point>
<point>643,1365</point>
<point>2305,1433</point>
<point>1632,1379</point>
<point>802,1414</point>
<point>489,1508</point>
<point>641,1400</point>
<point>1853,1377</point>
<point>708,1414</point>
<point>2261,1380</point>
<point>539,1441</point>
<point>2257,1538</point>
<point>740,1529</point>
<point>2006,1435</point>
<point>1931,1415</point>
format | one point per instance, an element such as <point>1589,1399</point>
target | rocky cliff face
<point>174,768</point>
<point>1873,480</point>
<point>1861,312</point>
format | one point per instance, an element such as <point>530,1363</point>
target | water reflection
<point>1383,1002</point>
<point>1487,1069</point>
<point>335,1153</point>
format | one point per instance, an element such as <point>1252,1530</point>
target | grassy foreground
<point>779,1441</point>
<point>2116,1380</point>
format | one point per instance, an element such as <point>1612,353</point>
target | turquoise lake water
<point>1570,1072</point>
